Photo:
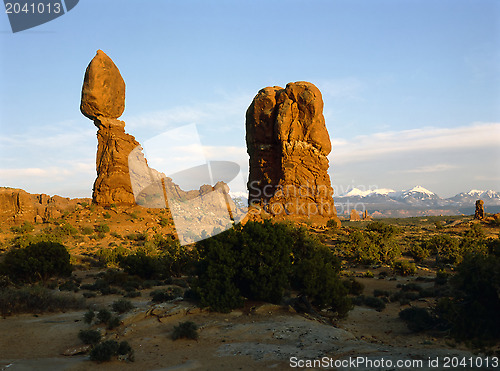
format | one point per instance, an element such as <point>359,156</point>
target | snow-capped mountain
<point>417,201</point>
<point>489,197</point>
<point>358,192</point>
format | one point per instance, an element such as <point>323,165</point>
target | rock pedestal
<point>288,144</point>
<point>479,214</point>
<point>103,101</point>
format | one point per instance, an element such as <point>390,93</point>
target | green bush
<point>472,311</point>
<point>185,330</point>
<point>86,230</point>
<point>144,266</point>
<point>88,317</point>
<point>446,247</point>
<point>104,316</point>
<point>418,251</point>
<point>38,261</point>
<point>122,306</point>
<point>160,296</point>
<point>404,268</point>
<point>353,287</point>
<point>35,299</point>
<point>104,351</point>
<point>376,245</point>
<point>260,261</point>
<point>91,337</point>
<point>417,319</point>
<point>370,301</point>
<point>24,228</point>
<point>101,228</point>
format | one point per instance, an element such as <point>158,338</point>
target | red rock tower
<point>288,144</point>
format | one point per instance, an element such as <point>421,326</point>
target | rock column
<point>288,144</point>
<point>103,101</point>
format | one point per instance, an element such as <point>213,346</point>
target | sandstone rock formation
<point>103,100</point>
<point>366,216</point>
<point>354,217</point>
<point>288,144</point>
<point>479,214</point>
<point>17,205</point>
<point>103,90</point>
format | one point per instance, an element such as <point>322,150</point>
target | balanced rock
<point>103,100</point>
<point>288,144</point>
<point>479,214</point>
<point>103,91</point>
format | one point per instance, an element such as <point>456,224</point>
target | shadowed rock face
<point>103,100</point>
<point>288,146</point>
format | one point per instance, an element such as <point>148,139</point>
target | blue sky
<point>411,88</point>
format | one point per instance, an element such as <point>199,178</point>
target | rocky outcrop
<point>288,144</point>
<point>354,217</point>
<point>103,101</point>
<point>17,205</point>
<point>479,214</point>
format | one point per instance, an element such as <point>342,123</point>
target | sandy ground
<point>264,337</point>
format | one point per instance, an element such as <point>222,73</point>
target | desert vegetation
<point>442,279</point>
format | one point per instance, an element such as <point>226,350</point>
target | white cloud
<point>432,168</point>
<point>375,146</point>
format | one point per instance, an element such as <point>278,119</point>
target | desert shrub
<point>91,337</point>
<point>89,294</point>
<point>164,221</point>
<point>376,245</point>
<point>69,285</point>
<point>23,228</point>
<point>404,268</point>
<point>370,301</point>
<point>176,259</point>
<point>418,251</point>
<point>441,277</point>
<point>38,261</point>
<point>417,319</point>
<point>384,293</point>
<point>142,265</point>
<point>122,306</point>
<point>315,273</point>
<point>260,261</point>
<point>89,316</point>
<point>438,225</point>
<point>104,316</point>
<point>385,230</point>
<point>475,231</point>
<point>35,299</point>
<point>446,247</point>
<point>106,215</point>
<point>65,229</point>
<point>132,294</point>
<point>332,223</point>
<point>159,296</point>
<point>185,330</point>
<point>101,228</point>
<point>104,351</point>
<point>353,287</point>
<point>111,257</point>
<point>113,322</point>
<point>86,230</point>
<point>472,311</point>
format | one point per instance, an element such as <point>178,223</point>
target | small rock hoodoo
<point>288,144</point>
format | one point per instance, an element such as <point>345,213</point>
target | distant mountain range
<point>417,201</point>
<point>414,202</point>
